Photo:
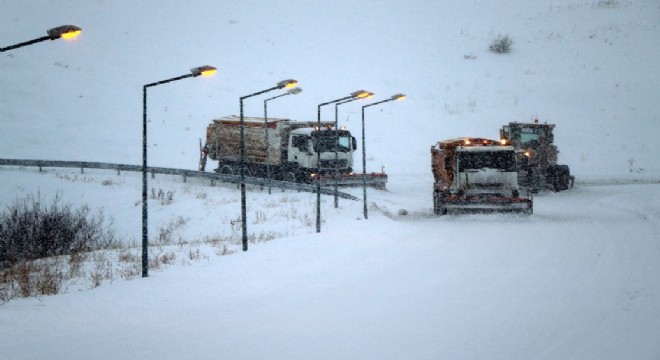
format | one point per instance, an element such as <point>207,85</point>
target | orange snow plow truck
<point>476,175</point>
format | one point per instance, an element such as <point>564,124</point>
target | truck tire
<point>226,170</point>
<point>438,205</point>
<point>247,171</point>
<point>535,180</point>
<point>560,177</point>
<point>290,176</point>
<point>565,177</point>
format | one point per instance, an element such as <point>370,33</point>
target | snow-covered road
<point>577,280</point>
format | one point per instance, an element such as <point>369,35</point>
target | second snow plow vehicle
<point>476,175</point>
<point>537,156</point>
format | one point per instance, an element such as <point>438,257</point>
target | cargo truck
<point>286,150</point>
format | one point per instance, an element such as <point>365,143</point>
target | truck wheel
<point>564,176</point>
<point>536,180</point>
<point>438,204</point>
<point>226,170</point>
<point>560,177</point>
<point>246,172</point>
<point>290,176</point>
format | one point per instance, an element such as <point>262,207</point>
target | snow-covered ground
<point>576,280</point>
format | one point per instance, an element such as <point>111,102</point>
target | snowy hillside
<point>586,65</point>
<point>576,280</point>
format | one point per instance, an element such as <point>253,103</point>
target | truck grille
<point>334,164</point>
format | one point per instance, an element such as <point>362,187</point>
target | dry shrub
<point>30,230</point>
<point>501,44</point>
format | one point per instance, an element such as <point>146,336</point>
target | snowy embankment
<point>574,281</point>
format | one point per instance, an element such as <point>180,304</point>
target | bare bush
<point>501,44</point>
<point>6,287</point>
<point>608,3</point>
<point>30,230</point>
<point>165,232</point>
<point>196,254</point>
<point>157,261</point>
<point>131,270</point>
<point>31,278</point>
<point>126,256</point>
<point>306,220</point>
<point>76,262</point>
<point>259,217</point>
<point>165,198</point>
<point>50,281</point>
<point>103,270</point>
<point>224,250</point>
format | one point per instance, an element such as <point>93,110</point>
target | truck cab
<point>476,175</point>
<point>533,139</point>
<point>305,145</point>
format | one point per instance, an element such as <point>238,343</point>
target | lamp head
<point>362,94</point>
<point>205,70</point>
<point>294,91</point>
<point>287,84</point>
<point>65,31</point>
<point>399,97</point>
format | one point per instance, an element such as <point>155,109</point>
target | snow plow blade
<point>375,180</point>
<point>488,204</point>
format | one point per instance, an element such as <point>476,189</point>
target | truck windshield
<point>325,141</point>
<point>501,160</point>
<point>525,135</point>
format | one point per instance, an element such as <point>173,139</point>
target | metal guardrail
<point>234,179</point>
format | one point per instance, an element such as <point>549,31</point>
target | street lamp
<point>364,160</point>
<point>65,31</point>
<point>202,70</point>
<point>360,94</point>
<point>284,84</point>
<point>336,172</point>
<point>292,91</point>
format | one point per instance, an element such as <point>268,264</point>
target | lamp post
<point>292,91</point>
<point>364,159</point>
<point>336,172</point>
<point>65,31</point>
<point>354,95</point>
<point>284,84</point>
<point>202,70</point>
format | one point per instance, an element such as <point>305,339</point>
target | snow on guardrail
<point>235,179</point>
